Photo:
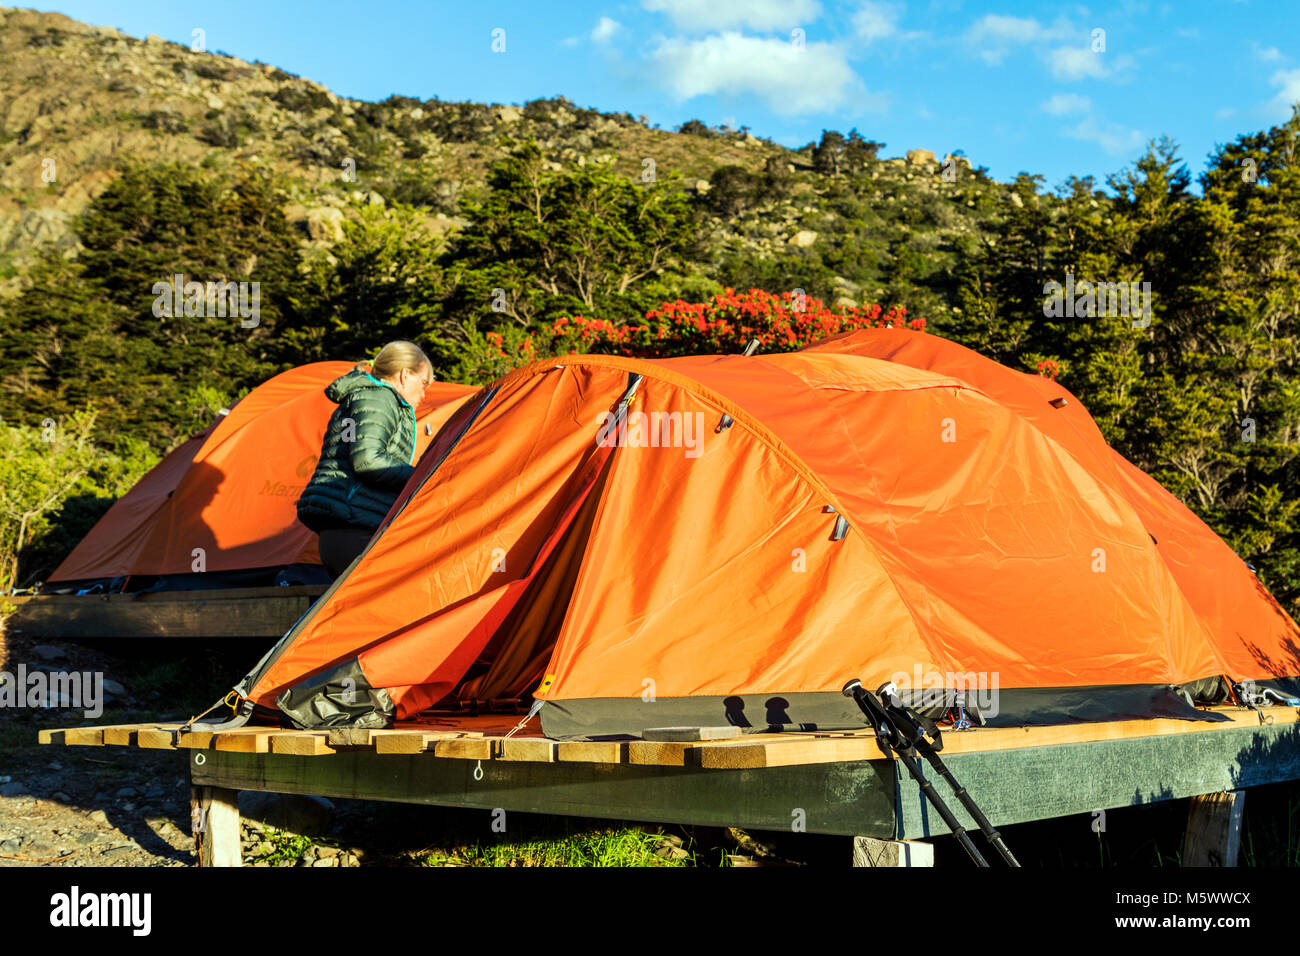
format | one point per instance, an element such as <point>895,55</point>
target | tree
<point>545,242</point>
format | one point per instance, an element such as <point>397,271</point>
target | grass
<point>616,847</point>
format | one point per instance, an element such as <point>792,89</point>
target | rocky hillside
<point>77,100</point>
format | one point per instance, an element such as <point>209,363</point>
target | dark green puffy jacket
<point>366,457</point>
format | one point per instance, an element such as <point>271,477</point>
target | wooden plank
<point>658,753</point>
<point>84,737</point>
<point>591,751</point>
<point>194,739</point>
<point>301,744</point>
<point>247,741</point>
<point>534,749</point>
<point>868,851</point>
<point>690,733</point>
<point>122,736</point>
<point>403,742</point>
<point>1214,829</point>
<point>158,738</point>
<point>989,739</point>
<point>785,753</point>
<point>351,737</point>
<point>464,748</point>
<point>215,814</point>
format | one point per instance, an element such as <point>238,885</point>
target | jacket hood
<point>353,381</point>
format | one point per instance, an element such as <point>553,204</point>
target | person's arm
<point>373,413</point>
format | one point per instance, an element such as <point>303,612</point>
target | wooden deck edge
<point>748,752</point>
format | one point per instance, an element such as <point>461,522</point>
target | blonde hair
<point>394,357</point>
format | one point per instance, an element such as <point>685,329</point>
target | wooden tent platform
<point>220,612</point>
<point>485,738</point>
<point>830,783</point>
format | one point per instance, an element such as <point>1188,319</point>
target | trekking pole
<point>891,740</point>
<point>889,697</point>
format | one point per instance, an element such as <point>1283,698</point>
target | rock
<point>15,789</point>
<point>126,792</point>
<point>509,114</point>
<point>48,652</point>
<point>10,847</point>
<point>306,816</point>
<point>374,199</point>
<point>54,765</point>
<point>61,796</point>
<point>803,238</point>
<point>108,32</point>
<point>214,102</point>
<point>325,225</point>
<point>701,186</point>
<point>326,852</point>
<point>1017,201</point>
<point>669,852</point>
<point>324,863</point>
<point>920,157</point>
<point>99,816</point>
<point>154,40</point>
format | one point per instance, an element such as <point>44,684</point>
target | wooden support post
<point>215,819</point>
<point>868,851</point>
<point>1214,829</point>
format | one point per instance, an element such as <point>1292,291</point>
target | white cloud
<point>993,35</point>
<point>1268,55</point>
<point>792,81</point>
<point>1114,139</point>
<point>605,29</point>
<point>1226,112</point>
<point>1075,63</point>
<point>1288,93</point>
<point>875,21</point>
<point>700,15</point>
<point>1062,104</point>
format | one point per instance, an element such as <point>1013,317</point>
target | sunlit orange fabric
<point>1251,632</point>
<point>233,490</point>
<point>986,536</point>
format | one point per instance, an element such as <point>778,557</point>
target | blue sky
<point>1016,85</point>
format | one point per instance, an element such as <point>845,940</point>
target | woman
<point>368,453</point>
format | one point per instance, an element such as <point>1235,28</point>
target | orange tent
<point>220,509</point>
<point>727,540</point>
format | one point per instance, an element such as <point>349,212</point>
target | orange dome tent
<point>230,491</point>
<point>728,539</point>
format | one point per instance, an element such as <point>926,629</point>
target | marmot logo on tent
<point>278,489</point>
<point>653,430</point>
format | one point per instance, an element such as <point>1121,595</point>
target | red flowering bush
<point>725,324</point>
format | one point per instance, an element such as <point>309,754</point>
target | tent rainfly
<point>728,539</point>
<point>219,510</point>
